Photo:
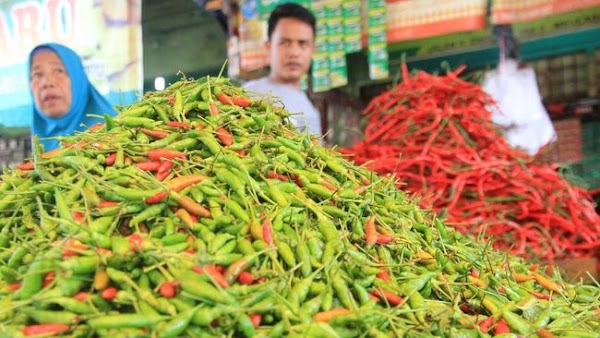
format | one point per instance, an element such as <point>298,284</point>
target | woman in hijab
<point>62,93</point>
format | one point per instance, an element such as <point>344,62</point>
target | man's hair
<point>291,10</point>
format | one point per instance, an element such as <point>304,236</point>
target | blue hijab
<point>85,99</point>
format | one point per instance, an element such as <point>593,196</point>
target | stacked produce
<point>199,212</point>
<point>436,136</point>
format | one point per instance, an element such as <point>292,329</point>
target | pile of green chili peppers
<point>201,212</point>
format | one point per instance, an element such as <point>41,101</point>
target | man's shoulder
<point>259,83</point>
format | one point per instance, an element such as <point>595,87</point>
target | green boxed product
<point>339,77</point>
<point>321,81</point>
<point>352,43</point>
<point>335,26</point>
<point>336,43</point>
<point>352,25</point>
<point>377,35</point>
<point>351,8</point>
<point>337,59</point>
<point>377,17</point>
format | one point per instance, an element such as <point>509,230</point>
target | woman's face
<point>50,84</point>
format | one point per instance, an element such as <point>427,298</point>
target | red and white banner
<point>417,19</point>
<point>513,11</point>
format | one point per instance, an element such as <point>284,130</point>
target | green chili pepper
<point>196,286</point>
<point>237,210</point>
<point>286,253</point>
<point>71,305</point>
<point>516,322</point>
<point>299,292</point>
<point>135,122</point>
<point>343,293</point>
<point>245,326</point>
<point>205,316</point>
<point>124,321</point>
<point>81,265</point>
<point>177,325</point>
<point>32,282</point>
<point>48,316</point>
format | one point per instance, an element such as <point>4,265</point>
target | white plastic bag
<point>520,110</point>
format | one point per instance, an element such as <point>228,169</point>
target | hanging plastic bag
<point>519,108</point>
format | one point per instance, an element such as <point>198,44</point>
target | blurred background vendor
<point>62,93</point>
<point>291,44</point>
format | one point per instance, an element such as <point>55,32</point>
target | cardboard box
<point>579,269</point>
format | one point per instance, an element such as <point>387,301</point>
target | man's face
<point>291,47</point>
<point>50,84</point>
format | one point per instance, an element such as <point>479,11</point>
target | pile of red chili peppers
<point>436,135</point>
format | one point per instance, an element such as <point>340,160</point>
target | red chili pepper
<point>14,286</point>
<point>157,198</point>
<point>109,293</point>
<point>103,251</point>
<point>233,100</point>
<point>224,136</point>
<point>213,109</point>
<point>162,176</point>
<point>96,126</point>
<point>78,217</point>
<point>384,275</point>
<point>214,273</point>
<point>219,268</point>
<point>272,174</point>
<point>256,318</point>
<point>545,333</point>
<point>105,204</point>
<point>48,278</point>
<point>26,166</point>
<point>540,295</point>
<point>155,134</point>
<point>135,242</point>
<point>192,207</point>
<point>181,182</point>
<point>168,289</point>
<point>169,154</point>
<point>246,278</point>
<point>148,166</point>
<point>328,185</point>
<point>370,231</point>
<point>486,324</point>
<point>267,232</point>
<point>45,329</point>
<point>389,296</point>
<point>165,166</point>
<point>176,124</point>
<point>384,239</point>
<point>501,327</point>
<point>82,296</point>
<point>110,159</point>
<point>73,247</point>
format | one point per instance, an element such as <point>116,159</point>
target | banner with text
<point>106,34</point>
